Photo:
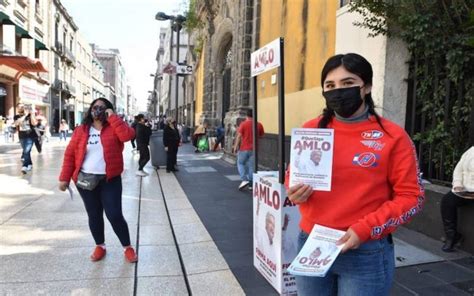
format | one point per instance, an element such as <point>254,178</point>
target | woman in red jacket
<point>94,161</point>
<point>375,184</point>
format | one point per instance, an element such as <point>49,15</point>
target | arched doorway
<point>226,81</point>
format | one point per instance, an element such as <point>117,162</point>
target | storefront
<point>37,94</point>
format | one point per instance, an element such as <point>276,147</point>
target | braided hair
<point>357,65</point>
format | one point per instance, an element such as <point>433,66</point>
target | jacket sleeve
<point>457,173</point>
<point>166,137</point>
<point>407,194</point>
<point>121,129</point>
<point>69,162</point>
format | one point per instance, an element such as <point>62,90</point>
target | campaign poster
<point>311,157</point>
<point>276,229</point>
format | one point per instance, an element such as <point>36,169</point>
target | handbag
<point>88,181</point>
<point>203,144</point>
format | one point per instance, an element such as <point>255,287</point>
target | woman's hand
<point>63,185</point>
<point>458,189</point>
<point>109,112</point>
<point>166,149</point>
<point>300,193</point>
<point>350,239</point>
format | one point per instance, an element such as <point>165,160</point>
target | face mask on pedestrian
<point>98,112</point>
<point>344,101</point>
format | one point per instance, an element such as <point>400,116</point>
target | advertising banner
<point>265,58</point>
<point>276,230</point>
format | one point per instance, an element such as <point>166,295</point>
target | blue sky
<point>130,26</point>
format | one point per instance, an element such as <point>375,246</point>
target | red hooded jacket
<point>112,136</point>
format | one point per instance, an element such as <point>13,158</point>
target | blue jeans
<point>245,165</point>
<point>106,196</point>
<point>367,270</point>
<point>63,134</point>
<point>26,145</point>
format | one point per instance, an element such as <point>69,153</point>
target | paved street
<point>192,231</point>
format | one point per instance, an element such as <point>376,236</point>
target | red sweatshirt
<point>112,136</point>
<point>375,181</point>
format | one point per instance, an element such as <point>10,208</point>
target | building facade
<point>24,56</point>
<point>165,84</point>
<point>84,80</point>
<point>114,76</point>
<point>63,88</point>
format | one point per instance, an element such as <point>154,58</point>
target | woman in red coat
<point>94,161</point>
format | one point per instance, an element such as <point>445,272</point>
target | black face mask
<point>344,101</point>
<point>98,112</point>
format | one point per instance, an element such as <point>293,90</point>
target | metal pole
<point>281,113</point>
<point>171,76</point>
<point>178,28</point>
<point>254,125</point>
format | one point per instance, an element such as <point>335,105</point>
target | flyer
<point>311,157</point>
<point>318,253</point>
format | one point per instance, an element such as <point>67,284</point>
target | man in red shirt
<point>245,157</point>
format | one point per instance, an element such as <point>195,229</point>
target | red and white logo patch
<point>372,135</point>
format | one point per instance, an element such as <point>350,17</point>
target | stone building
<point>222,67</point>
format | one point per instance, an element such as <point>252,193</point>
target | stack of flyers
<point>71,195</point>
<point>318,253</point>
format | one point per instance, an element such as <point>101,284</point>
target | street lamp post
<point>176,25</point>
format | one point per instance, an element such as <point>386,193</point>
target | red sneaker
<point>130,255</point>
<point>98,254</point>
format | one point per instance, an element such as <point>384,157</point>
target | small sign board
<point>265,58</point>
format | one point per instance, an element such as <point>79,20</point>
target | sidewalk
<point>45,242</point>
<point>203,248</point>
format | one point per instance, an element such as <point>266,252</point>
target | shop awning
<point>40,45</point>
<point>22,32</point>
<point>22,64</point>
<point>5,19</point>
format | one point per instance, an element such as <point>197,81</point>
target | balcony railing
<point>69,56</point>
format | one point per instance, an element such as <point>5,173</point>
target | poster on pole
<point>276,229</point>
<point>265,58</point>
<point>311,157</point>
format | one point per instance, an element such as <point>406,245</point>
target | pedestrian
<point>375,186</point>
<point>134,126</point>
<point>171,140</point>
<point>143,133</point>
<point>94,161</point>
<point>462,194</point>
<point>220,134</point>
<point>25,122</point>
<point>6,130</point>
<point>39,129</point>
<point>244,145</point>
<point>63,130</point>
<point>201,131</point>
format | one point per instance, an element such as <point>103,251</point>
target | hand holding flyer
<point>318,253</point>
<point>311,157</point>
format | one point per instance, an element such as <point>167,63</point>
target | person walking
<point>171,141</point>
<point>63,130</point>
<point>376,185</point>
<point>39,129</point>
<point>134,126</point>
<point>94,161</point>
<point>143,133</point>
<point>461,194</point>
<point>25,122</point>
<point>220,135</point>
<point>244,145</point>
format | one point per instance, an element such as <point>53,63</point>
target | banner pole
<point>281,113</point>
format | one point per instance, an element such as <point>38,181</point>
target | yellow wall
<point>305,55</point>
<point>199,88</point>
